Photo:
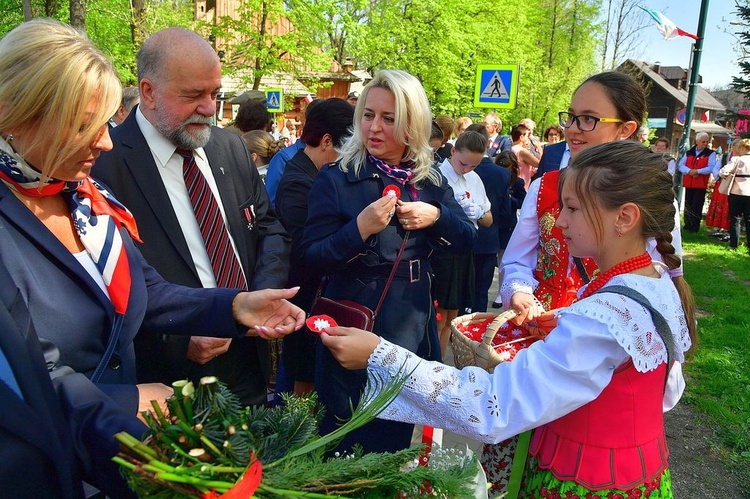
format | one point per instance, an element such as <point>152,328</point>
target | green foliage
<point>255,48</point>
<point>441,42</point>
<point>719,374</point>
<point>206,441</point>
<point>552,41</point>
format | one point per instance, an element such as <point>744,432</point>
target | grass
<point>719,374</point>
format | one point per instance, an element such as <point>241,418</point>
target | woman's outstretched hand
<point>350,346</point>
<point>267,312</point>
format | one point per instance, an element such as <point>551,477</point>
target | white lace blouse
<point>550,378</point>
<point>520,257</point>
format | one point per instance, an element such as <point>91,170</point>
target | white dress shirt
<point>469,182</point>
<point>169,165</point>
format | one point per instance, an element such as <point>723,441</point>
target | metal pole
<point>692,89</point>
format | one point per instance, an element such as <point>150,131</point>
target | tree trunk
<point>27,15</point>
<point>138,23</point>
<point>50,7</point>
<point>78,14</point>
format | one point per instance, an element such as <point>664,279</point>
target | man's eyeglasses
<point>585,122</point>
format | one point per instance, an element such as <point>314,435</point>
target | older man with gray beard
<point>201,208</point>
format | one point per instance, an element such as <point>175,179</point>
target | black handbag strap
<point>324,280</point>
<point>662,326</point>
<point>390,277</point>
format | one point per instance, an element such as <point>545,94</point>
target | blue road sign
<point>496,86</point>
<point>274,100</point>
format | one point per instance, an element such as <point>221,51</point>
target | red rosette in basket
<point>486,340</point>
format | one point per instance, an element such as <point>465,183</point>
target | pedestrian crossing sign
<point>275,100</point>
<point>496,86</point>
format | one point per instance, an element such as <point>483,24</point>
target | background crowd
<point>141,245</point>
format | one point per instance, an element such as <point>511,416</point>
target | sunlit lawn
<point>719,375</point>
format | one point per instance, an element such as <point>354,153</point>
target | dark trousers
<point>739,211</point>
<point>695,198</point>
<point>484,271</point>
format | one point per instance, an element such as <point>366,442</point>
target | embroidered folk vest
<point>696,163</point>
<point>615,441</point>
<point>557,287</point>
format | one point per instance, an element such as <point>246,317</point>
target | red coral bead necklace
<point>624,267</point>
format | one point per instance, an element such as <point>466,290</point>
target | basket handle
<point>496,324</point>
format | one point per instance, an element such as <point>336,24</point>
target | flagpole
<point>694,71</point>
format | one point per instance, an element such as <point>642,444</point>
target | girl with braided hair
<point>595,390</point>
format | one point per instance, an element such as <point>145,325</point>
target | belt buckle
<point>412,277</point>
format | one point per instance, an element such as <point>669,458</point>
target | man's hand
<point>201,349</point>
<point>267,312</point>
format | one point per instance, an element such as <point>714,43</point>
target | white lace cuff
<point>508,289</point>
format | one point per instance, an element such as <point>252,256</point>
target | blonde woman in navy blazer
<point>68,245</point>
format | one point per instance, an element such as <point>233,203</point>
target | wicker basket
<point>469,352</point>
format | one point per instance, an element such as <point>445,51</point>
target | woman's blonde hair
<point>49,75</point>
<point>263,145</point>
<point>413,122</point>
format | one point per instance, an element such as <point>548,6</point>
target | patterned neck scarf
<point>97,217</point>
<point>403,174</point>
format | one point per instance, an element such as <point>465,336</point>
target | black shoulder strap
<point>582,270</point>
<point>662,327</point>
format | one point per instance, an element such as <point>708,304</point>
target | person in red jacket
<point>696,166</point>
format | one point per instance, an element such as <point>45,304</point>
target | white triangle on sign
<point>495,88</point>
<point>273,101</point>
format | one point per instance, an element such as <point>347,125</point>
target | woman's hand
<point>268,313</point>
<point>416,215</point>
<point>350,346</point>
<point>376,216</point>
<point>527,306</point>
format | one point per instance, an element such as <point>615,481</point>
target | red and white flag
<point>666,27</point>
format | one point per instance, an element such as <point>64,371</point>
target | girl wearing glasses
<point>538,272</point>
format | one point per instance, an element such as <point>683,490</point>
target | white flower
<point>321,324</point>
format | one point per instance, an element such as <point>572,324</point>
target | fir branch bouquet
<point>206,446</point>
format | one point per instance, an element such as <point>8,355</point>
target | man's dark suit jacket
<point>130,172</point>
<point>56,434</point>
<point>550,159</point>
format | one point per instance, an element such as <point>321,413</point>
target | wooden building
<point>667,95</point>
<point>337,82</point>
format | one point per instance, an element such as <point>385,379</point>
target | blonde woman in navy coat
<point>354,232</point>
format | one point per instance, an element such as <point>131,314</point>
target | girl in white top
<point>612,356</point>
<point>454,274</point>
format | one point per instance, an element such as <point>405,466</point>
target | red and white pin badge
<point>317,323</point>
<point>392,191</point>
